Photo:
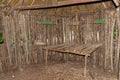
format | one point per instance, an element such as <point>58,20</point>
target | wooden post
<point>85,67</point>
<point>111,38</point>
<point>77,28</point>
<point>118,43</point>
<point>46,56</point>
<point>1,68</point>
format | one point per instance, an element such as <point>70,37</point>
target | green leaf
<point>47,22</point>
<point>1,38</point>
<point>21,36</point>
<point>99,20</point>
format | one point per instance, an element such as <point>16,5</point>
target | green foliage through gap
<point>100,20</point>
<point>1,38</point>
<point>47,22</point>
<point>115,33</point>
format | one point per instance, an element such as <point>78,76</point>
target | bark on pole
<point>118,45</point>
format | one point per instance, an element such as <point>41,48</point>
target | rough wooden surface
<point>56,4</point>
<point>85,49</point>
<point>22,28</point>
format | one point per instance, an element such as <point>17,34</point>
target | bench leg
<point>85,67</point>
<point>46,56</point>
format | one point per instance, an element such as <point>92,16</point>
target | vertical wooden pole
<point>25,38</point>
<point>64,35</point>
<point>85,67</point>
<point>1,66</point>
<point>77,23</point>
<point>46,56</point>
<point>118,43</point>
<point>111,37</point>
<point>106,42</point>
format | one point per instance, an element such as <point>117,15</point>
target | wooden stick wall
<point>117,48</point>
<point>22,30</point>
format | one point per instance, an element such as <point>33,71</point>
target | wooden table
<point>85,49</point>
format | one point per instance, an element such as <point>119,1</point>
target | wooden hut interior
<point>59,40</point>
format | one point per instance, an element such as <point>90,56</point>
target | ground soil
<point>57,71</point>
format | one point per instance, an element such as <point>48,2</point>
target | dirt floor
<point>56,71</point>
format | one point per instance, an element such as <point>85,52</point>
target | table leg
<point>46,56</point>
<point>85,67</point>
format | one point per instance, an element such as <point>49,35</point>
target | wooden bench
<point>85,49</point>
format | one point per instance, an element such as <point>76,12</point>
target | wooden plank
<point>90,49</point>
<point>46,57</point>
<point>81,50</point>
<point>85,68</point>
<point>55,46</point>
<point>66,51</point>
<point>56,4</point>
<point>78,48</point>
<point>66,47</point>
<point>73,47</point>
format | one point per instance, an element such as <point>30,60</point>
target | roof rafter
<point>56,4</point>
<point>117,2</point>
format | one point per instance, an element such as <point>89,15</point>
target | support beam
<point>56,4</point>
<point>117,2</point>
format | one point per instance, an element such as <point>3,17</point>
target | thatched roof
<point>11,5</point>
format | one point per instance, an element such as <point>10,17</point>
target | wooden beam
<point>117,2</point>
<point>56,4</point>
